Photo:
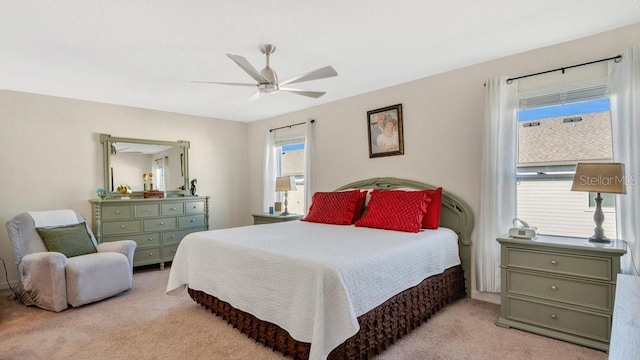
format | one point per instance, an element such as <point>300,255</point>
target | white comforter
<point>313,280</point>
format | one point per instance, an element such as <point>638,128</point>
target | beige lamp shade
<point>600,178</point>
<point>285,183</point>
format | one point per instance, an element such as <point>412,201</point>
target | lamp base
<point>601,240</point>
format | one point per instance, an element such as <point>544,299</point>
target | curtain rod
<point>616,58</point>
<point>289,126</point>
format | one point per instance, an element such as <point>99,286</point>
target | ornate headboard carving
<point>456,213</point>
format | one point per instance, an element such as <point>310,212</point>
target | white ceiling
<point>144,53</point>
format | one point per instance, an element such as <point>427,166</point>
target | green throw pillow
<point>70,240</point>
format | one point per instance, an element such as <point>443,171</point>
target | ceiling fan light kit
<point>267,78</point>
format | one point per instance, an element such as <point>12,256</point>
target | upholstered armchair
<point>87,273</point>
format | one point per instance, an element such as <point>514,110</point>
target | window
<point>291,162</point>
<point>556,130</point>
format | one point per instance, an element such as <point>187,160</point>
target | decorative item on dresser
<point>157,225</point>
<point>274,218</point>
<point>560,287</point>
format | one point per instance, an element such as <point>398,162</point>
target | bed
<point>317,291</point>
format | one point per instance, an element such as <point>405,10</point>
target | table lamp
<point>599,178</point>
<point>286,184</point>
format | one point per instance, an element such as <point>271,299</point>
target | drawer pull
<point>554,316</point>
<point>173,251</point>
<point>150,239</point>
<point>117,211</point>
<point>554,288</point>
<point>150,254</point>
<point>147,209</point>
<point>161,222</point>
<point>553,262</point>
<point>192,220</point>
<point>195,207</point>
<point>173,236</point>
<point>122,226</point>
<point>173,209</point>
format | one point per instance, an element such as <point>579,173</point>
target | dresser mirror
<point>143,164</point>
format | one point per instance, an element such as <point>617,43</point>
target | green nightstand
<point>560,287</point>
<point>274,218</point>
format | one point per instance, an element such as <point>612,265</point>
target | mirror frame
<point>107,140</point>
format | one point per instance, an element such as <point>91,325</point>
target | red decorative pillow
<point>333,207</point>
<point>357,214</point>
<point>431,219</point>
<point>396,210</point>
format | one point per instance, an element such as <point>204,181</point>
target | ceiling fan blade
<point>248,68</point>
<point>223,83</point>
<point>313,94</point>
<point>256,95</point>
<point>321,73</point>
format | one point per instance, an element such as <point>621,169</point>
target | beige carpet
<point>145,323</point>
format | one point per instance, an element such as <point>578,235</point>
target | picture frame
<point>384,127</point>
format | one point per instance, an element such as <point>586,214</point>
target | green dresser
<point>560,287</point>
<point>156,225</point>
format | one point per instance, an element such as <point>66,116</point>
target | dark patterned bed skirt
<point>379,328</point>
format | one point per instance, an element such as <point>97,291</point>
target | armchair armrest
<point>126,247</point>
<point>44,280</point>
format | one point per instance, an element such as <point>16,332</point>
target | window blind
<point>593,90</point>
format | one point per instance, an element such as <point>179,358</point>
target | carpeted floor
<point>145,323</point>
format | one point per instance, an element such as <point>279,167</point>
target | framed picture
<point>385,131</point>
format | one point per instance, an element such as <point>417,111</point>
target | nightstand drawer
<point>585,266</point>
<point>122,227</point>
<point>581,323</point>
<point>147,210</point>
<point>590,294</point>
<point>160,224</point>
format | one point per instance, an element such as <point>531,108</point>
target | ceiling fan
<point>268,80</point>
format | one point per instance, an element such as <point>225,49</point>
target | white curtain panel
<point>269,171</point>
<point>308,151</point>
<point>624,85</point>
<point>498,184</point>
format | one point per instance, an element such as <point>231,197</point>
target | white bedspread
<point>313,280</point>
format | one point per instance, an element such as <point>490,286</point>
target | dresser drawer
<point>191,221</point>
<point>116,212</point>
<point>147,210</point>
<point>585,266</point>
<point>148,239</point>
<point>581,323</point>
<point>160,224</point>
<point>121,227</point>
<point>172,209</point>
<point>147,256</point>
<point>590,294</point>
<point>194,207</point>
<point>169,252</point>
<point>174,237</point>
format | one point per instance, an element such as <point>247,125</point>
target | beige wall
<point>443,117</point>
<point>51,156</point>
